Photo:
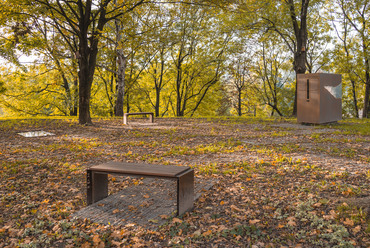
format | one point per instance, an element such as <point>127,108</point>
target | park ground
<point>277,183</point>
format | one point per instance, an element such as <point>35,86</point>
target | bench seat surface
<point>139,113</point>
<point>140,169</point>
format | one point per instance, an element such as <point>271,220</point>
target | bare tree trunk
<point>366,112</point>
<point>84,97</point>
<point>157,101</point>
<point>354,95</point>
<point>121,70</point>
<point>239,102</point>
<point>120,82</point>
<point>300,32</point>
<point>88,51</point>
<point>128,102</point>
<point>178,90</point>
<point>159,85</point>
<point>275,108</point>
<point>85,81</point>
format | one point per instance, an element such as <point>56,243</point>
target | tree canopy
<point>187,58</point>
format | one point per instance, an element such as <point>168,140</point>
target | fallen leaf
<point>291,223</point>
<point>235,208</point>
<point>116,211</point>
<point>116,234</point>
<point>116,244</point>
<point>281,226</point>
<point>252,222</point>
<point>98,243</point>
<point>207,233</point>
<point>356,229</point>
<point>28,225</point>
<point>348,222</point>
<point>331,216</point>
<point>318,204</point>
<point>86,245</point>
<point>131,207</point>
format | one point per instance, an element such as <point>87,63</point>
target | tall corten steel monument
<point>319,98</point>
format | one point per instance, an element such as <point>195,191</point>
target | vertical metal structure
<point>319,98</point>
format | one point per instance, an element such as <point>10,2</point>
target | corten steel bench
<point>125,115</point>
<point>97,180</point>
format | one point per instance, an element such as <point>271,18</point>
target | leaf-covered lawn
<point>279,184</point>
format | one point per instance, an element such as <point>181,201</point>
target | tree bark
<point>239,102</point>
<point>178,89</point>
<point>121,70</point>
<point>159,86</point>
<point>354,96</point>
<point>300,32</point>
<point>366,112</point>
<point>88,51</point>
<point>120,82</point>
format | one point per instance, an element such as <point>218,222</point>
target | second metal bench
<point>151,116</point>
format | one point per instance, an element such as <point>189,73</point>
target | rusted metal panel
<point>185,192</point>
<point>330,98</point>
<point>319,98</point>
<point>155,170</point>
<point>97,186</point>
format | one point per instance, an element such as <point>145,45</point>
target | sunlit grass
<point>19,123</point>
<point>354,126</point>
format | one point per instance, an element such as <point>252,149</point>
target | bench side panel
<point>97,186</point>
<point>185,192</point>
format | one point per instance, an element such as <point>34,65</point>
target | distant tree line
<point>189,58</point>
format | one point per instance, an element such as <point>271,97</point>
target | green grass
<point>354,126</point>
<point>20,123</point>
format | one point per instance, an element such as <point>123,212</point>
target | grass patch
<point>354,126</point>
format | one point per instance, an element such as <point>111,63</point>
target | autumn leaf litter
<point>279,184</point>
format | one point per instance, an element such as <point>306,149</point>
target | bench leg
<point>185,192</point>
<point>97,186</point>
<point>124,119</point>
<point>151,118</point>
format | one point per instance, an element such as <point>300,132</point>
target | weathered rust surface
<point>185,192</point>
<point>319,98</point>
<point>97,186</point>
<point>140,169</point>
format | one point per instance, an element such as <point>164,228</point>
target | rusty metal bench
<point>97,180</point>
<point>151,116</point>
